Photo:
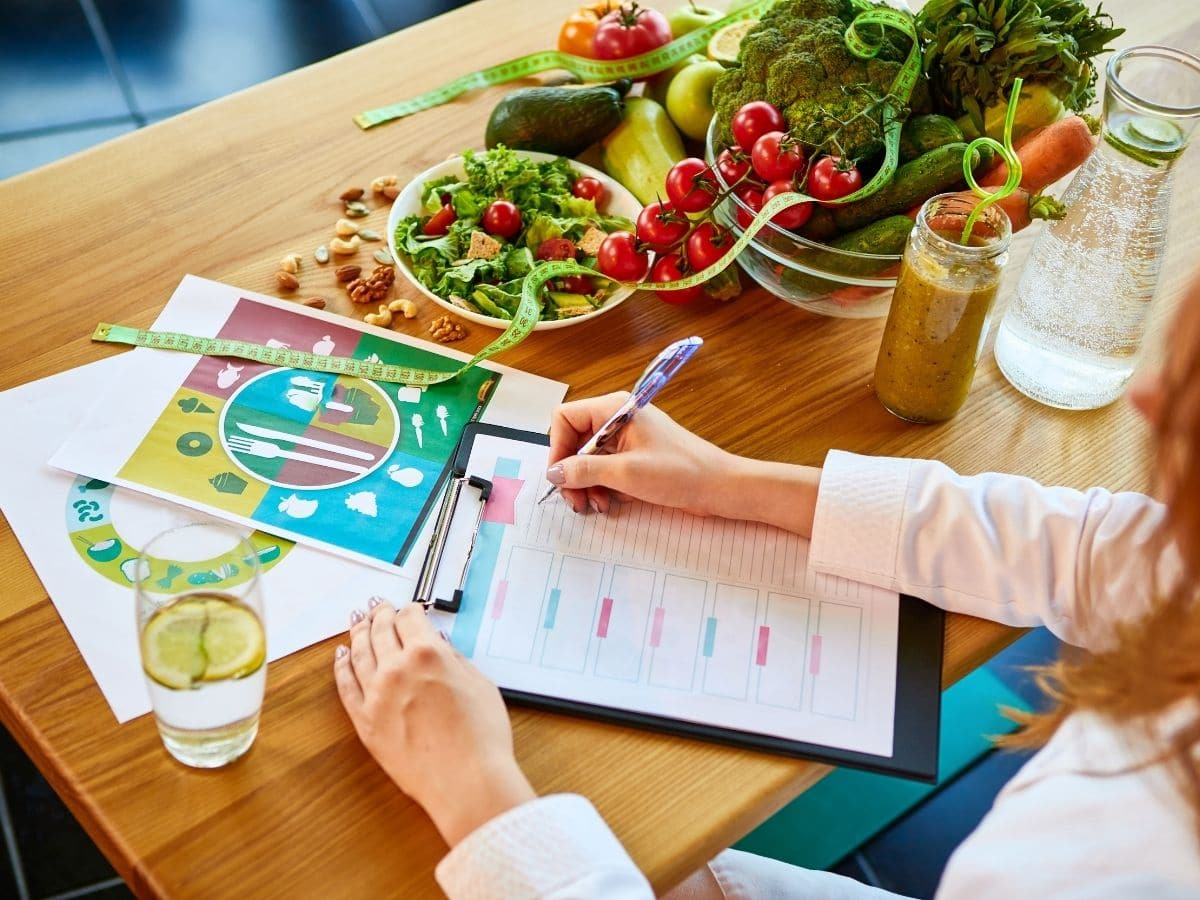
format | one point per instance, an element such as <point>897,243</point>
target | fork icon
<point>267,450</point>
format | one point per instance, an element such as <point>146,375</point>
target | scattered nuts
<point>357,210</point>
<point>374,288</point>
<point>445,329</point>
<point>290,263</point>
<point>349,195</point>
<point>405,306</point>
<point>286,281</point>
<point>383,318</point>
<point>384,258</point>
<point>369,234</point>
<point>315,302</point>
<point>345,228</point>
<point>321,254</point>
<point>347,273</point>
<point>392,191</point>
<point>345,246</point>
<point>383,181</point>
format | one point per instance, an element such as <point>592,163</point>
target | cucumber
<point>934,172</point>
<point>921,134</point>
<point>886,237</point>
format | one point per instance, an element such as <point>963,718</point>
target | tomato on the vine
<point>577,32</point>
<point>439,223</point>
<point>755,119</point>
<point>502,217</point>
<point>588,188</point>
<point>794,216</point>
<point>832,178</point>
<point>620,258</point>
<point>707,244</point>
<point>576,284</point>
<point>776,155</point>
<point>659,225</point>
<point>630,30</point>
<point>752,196</point>
<point>734,164</point>
<point>691,185</point>
<point>668,268</point>
<point>556,248</point>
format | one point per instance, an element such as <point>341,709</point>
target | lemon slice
<point>724,45</point>
<point>171,651</point>
<point>233,641</point>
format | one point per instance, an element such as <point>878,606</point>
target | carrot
<point>1048,154</point>
<point>1020,206</point>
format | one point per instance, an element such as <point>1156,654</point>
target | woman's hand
<point>652,458</point>
<point>432,720</point>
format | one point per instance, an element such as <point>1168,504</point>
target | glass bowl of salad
<point>822,278</point>
<point>467,231</point>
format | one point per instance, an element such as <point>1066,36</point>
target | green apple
<point>689,17</point>
<point>657,86</point>
<point>689,97</point>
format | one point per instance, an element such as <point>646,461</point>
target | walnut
<point>374,288</point>
<point>445,329</point>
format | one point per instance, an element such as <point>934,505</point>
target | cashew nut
<point>345,246</point>
<point>405,306</point>
<point>383,318</point>
<point>345,228</point>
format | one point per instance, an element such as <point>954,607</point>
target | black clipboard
<point>918,682</point>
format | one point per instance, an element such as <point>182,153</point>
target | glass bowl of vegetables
<point>468,230</point>
<point>841,277</point>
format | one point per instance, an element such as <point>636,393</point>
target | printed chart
<point>653,610</point>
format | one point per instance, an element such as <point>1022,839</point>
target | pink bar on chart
<point>814,657</point>
<point>605,615</point>
<point>656,627</point>
<point>501,593</point>
<point>502,504</point>
<point>764,635</point>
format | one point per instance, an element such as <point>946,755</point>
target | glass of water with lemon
<point>202,640</point>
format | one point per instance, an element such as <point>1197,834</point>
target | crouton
<point>482,246</point>
<point>591,240</point>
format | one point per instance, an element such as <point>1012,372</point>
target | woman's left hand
<point>435,724</point>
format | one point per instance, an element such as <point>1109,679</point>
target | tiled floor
<point>100,68</point>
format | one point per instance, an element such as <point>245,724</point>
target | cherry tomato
<point>754,120</point>
<point>794,216</point>
<point>439,223</point>
<point>832,178</point>
<point>588,188</point>
<point>707,244</point>
<point>691,185</point>
<point>659,226</point>
<point>502,218</point>
<point>577,32</point>
<point>752,196</point>
<point>576,284</point>
<point>556,248</point>
<point>775,156</point>
<point>667,268</point>
<point>620,259</point>
<point>628,31</point>
<point>733,164</point>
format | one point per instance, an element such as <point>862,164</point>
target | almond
<point>315,302</point>
<point>351,194</point>
<point>286,281</point>
<point>345,274</point>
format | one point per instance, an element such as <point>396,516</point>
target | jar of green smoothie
<point>941,309</point>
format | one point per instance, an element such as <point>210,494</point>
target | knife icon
<point>259,431</point>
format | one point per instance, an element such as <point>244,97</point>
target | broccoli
<point>796,58</point>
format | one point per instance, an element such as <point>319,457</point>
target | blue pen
<point>653,379</point>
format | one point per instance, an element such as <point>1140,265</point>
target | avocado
<point>559,120</point>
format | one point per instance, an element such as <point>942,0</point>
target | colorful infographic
<point>333,457</point>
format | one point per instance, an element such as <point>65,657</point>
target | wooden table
<point>224,191</point>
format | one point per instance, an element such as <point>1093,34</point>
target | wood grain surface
<point>224,191</point>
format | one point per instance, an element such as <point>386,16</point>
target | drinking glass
<point>202,641</point>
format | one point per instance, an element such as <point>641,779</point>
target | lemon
<point>201,639</point>
<point>724,45</point>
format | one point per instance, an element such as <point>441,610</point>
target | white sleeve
<point>552,847</point>
<point>999,547</point>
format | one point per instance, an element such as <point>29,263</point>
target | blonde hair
<point>1155,660</point>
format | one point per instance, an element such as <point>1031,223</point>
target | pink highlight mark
<point>814,658</point>
<point>605,615</point>
<point>656,627</point>
<point>502,504</point>
<point>501,593</point>
<point>764,635</point>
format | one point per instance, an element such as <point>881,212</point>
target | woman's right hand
<point>652,458</point>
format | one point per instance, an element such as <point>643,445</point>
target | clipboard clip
<point>441,536</point>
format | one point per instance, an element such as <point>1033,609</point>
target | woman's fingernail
<point>594,505</point>
<point>341,651</point>
<point>556,474</point>
<point>373,602</point>
<point>356,616</point>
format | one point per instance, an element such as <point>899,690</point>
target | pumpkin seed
<point>384,258</point>
<point>357,210</point>
<point>321,254</point>
<point>369,234</point>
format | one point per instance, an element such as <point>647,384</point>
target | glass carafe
<point>1072,334</point>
